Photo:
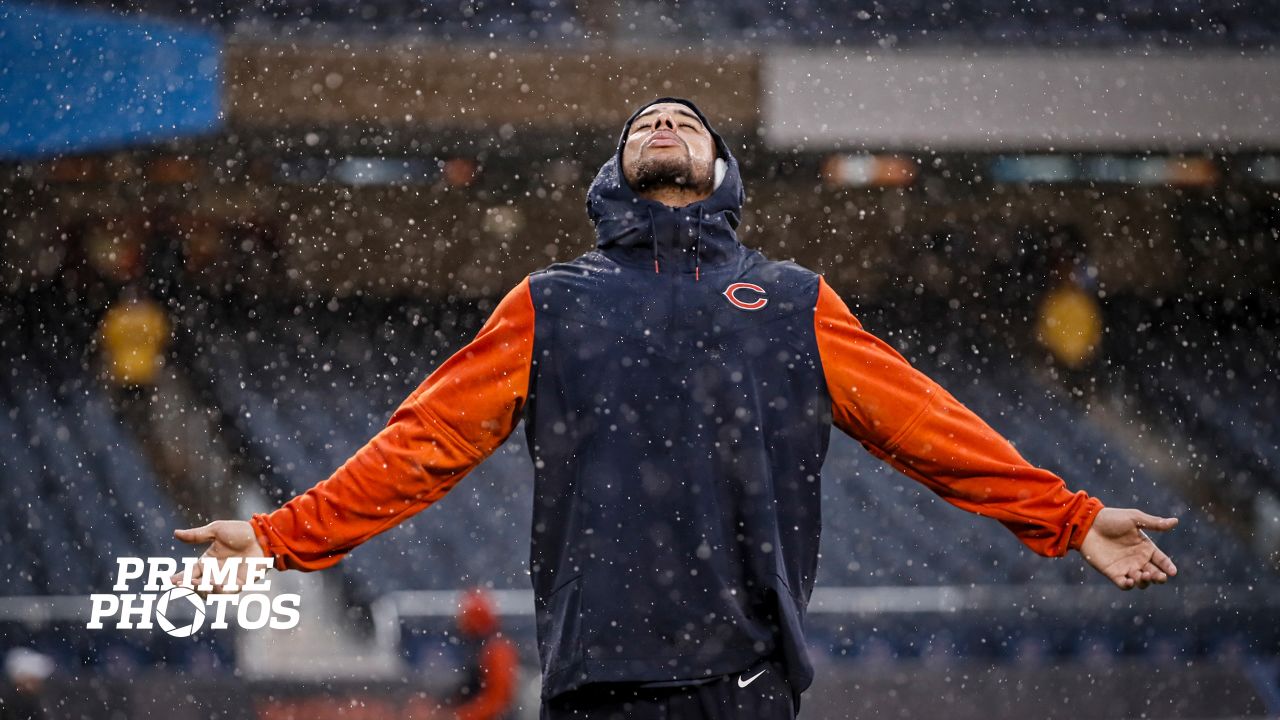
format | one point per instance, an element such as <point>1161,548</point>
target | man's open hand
<point>1117,547</point>
<point>229,538</point>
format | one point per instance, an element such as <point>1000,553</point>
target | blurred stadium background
<point>235,235</point>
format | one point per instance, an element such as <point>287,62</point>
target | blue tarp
<point>74,81</point>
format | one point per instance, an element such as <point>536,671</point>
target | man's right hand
<point>230,539</point>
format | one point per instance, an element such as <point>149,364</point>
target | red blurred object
<point>494,670</point>
<point>868,171</point>
<point>477,615</point>
<point>460,172</point>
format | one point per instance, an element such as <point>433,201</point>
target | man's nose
<point>664,119</point>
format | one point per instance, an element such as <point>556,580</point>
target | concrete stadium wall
<point>991,102</point>
<point>474,87</point>
<point>811,99</point>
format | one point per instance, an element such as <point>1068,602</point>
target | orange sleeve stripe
<point>903,417</point>
<point>455,419</point>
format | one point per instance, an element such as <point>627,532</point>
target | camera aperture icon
<point>181,598</point>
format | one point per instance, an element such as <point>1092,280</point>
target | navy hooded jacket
<point>678,390</point>
<point>689,432</point>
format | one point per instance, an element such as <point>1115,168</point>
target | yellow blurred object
<point>134,335</point>
<point>1070,325</point>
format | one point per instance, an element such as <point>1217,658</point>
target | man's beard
<point>669,172</point>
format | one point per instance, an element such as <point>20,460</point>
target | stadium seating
<point>81,491</point>
<point>78,493</point>
<point>1205,376</point>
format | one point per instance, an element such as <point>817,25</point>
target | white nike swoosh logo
<point>743,683</point>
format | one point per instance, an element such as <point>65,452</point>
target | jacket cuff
<point>1083,522</point>
<point>260,531</point>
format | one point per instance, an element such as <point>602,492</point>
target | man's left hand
<point>1117,547</point>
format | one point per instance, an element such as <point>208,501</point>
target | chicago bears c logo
<point>746,305</point>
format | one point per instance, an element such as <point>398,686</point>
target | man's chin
<point>665,184</point>
<point>657,178</point>
<point>657,169</point>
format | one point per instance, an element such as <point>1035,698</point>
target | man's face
<point>669,147</point>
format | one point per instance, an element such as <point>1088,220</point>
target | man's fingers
<point>197,536</point>
<point>1162,561</point>
<point>197,576</point>
<point>1153,573</point>
<point>1152,522</point>
<point>193,536</point>
<point>1136,577</point>
<point>188,579</point>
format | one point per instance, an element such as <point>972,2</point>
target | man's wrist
<point>258,522</point>
<point>1084,523</point>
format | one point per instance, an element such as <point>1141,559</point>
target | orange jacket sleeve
<point>499,664</point>
<point>903,417</point>
<point>458,416</point>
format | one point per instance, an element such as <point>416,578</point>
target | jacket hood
<point>639,230</point>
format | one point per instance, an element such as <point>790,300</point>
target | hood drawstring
<point>653,234</point>
<point>697,248</point>
<point>697,245</point>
